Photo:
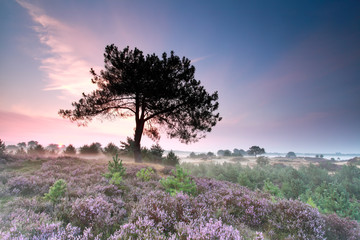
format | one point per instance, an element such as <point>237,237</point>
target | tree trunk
<point>137,138</point>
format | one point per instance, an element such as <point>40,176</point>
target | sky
<point>287,72</point>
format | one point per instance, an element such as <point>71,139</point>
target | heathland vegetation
<point>67,197</point>
<point>54,193</point>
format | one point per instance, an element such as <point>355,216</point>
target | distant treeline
<point>33,148</point>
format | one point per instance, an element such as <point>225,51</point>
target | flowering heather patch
<point>233,203</point>
<point>296,220</point>
<point>100,212</point>
<point>142,228</point>
<point>165,211</point>
<point>92,208</point>
<point>29,185</point>
<point>201,229</point>
<point>341,228</point>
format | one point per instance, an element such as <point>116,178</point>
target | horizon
<point>287,74</point>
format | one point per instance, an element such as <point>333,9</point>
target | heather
<point>73,198</point>
<point>328,188</point>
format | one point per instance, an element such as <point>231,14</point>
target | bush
<point>111,149</point>
<point>272,189</point>
<point>145,174</point>
<point>295,220</point>
<point>70,150</point>
<point>262,161</point>
<point>291,155</point>
<point>337,228</point>
<point>180,182</point>
<point>156,152</point>
<point>116,171</point>
<point>171,159</point>
<point>100,213</point>
<point>94,148</point>
<point>56,191</point>
<point>37,150</point>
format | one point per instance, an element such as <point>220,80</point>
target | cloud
<point>64,63</point>
<point>199,59</point>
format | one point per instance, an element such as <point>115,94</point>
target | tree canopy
<point>256,150</point>
<point>160,93</point>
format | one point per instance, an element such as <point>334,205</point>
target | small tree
<point>171,159</point>
<point>32,144</point>
<point>128,146</point>
<point>210,154</point>
<point>180,182</point>
<point>262,161</point>
<point>227,153</point>
<point>56,191</point>
<point>157,92</point>
<point>291,155</point>
<point>22,145</point>
<point>37,150</point>
<point>94,148</point>
<point>111,149</point>
<point>220,153</point>
<point>156,152</point>
<point>53,148</point>
<point>256,150</point>
<point>116,171</point>
<point>70,150</point>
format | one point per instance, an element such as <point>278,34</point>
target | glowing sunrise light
<point>60,145</point>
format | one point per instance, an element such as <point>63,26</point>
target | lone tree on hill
<point>157,92</point>
<point>256,150</point>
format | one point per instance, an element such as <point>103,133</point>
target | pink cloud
<point>65,62</point>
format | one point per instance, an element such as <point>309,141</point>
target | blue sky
<point>287,73</point>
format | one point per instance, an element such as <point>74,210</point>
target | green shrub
<point>111,149</point>
<point>262,161</point>
<point>272,189</point>
<point>180,182</point>
<point>145,174</point>
<point>56,191</point>
<point>116,171</point>
<point>171,159</point>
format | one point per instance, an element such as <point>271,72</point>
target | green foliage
<point>330,193</point>
<point>256,150</point>
<point>94,148</point>
<point>180,182</point>
<point>36,150</point>
<point>311,202</point>
<point>291,155</point>
<point>272,189</point>
<point>145,174</point>
<point>70,150</point>
<point>262,161</point>
<point>2,147</point>
<point>128,147</point>
<point>116,171</point>
<point>156,151</point>
<point>111,149</point>
<point>56,191</point>
<point>171,159</point>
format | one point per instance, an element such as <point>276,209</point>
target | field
<point>165,203</point>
